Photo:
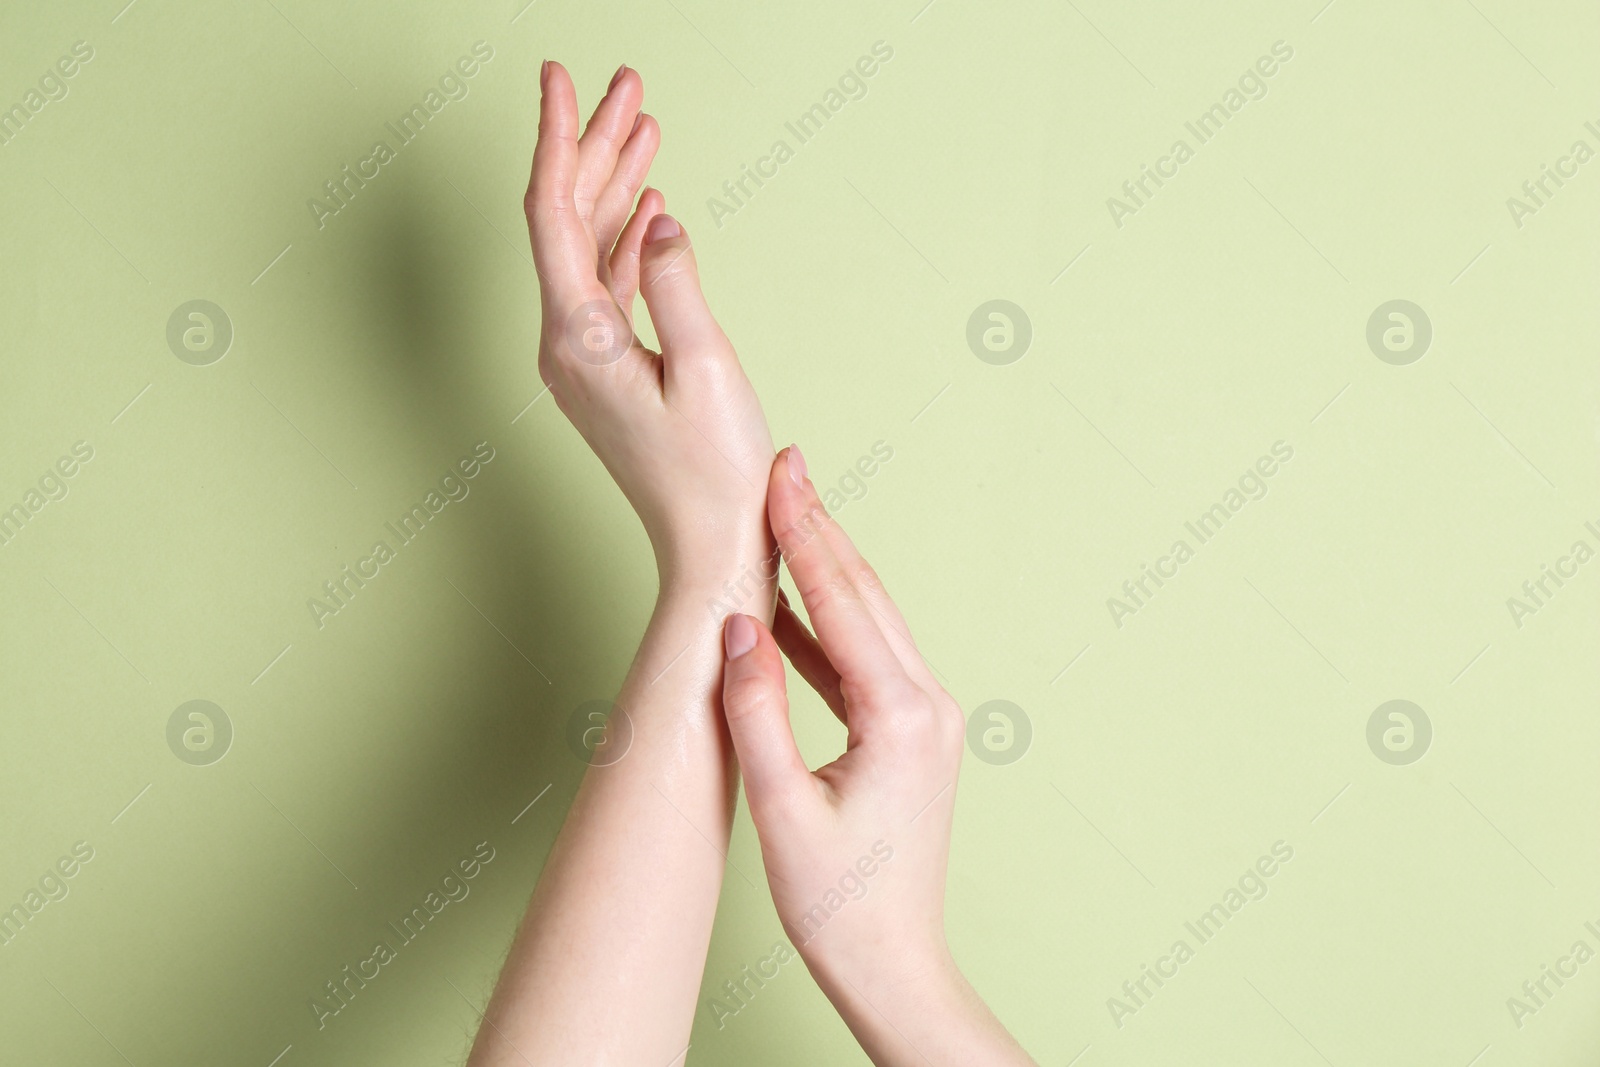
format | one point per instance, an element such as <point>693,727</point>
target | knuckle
<point>952,725</point>
<point>839,585</point>
<point>918,706</point>
<point>909,727</point>
<point>805,532</point>
<point>546,209</point>
<point>815,591</point>
<point>888,693</point>
<point>866,579</point>
<point>813,516</point>
<point>796,536</point>
<point>746,696</point>
<point>923,721</point>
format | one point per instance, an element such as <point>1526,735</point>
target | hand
<point>856,852</point>
<point>607,964</point>
<point>681,432</point>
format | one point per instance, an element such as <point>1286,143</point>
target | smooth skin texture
<point>607,963</point>
<point>682,431</point>
<point>856,852</point>
<point>606,966</point>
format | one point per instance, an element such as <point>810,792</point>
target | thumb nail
<point>661,228</point>
<point>739,636</point>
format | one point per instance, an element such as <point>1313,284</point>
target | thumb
<point>757,709</point>
<point>669,280</point>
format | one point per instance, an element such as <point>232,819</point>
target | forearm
<point>931,1017</point>
<point>606,967</point>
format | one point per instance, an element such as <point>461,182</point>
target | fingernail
<point>615,78</point>
<point>784,597</point>
<point>739,636</point>
<point>544,74</point>
<point>797,466</point>
<point>661,228</point>
<point>636,120</point>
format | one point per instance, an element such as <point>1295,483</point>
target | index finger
<point>846,624</point>
<point>561,248</point>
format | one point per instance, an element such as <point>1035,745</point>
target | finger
<point>603,137</point>
<point>847,627</point>
<point>876,596</point>
<point>670,282</point>
<point>871,589</point>
<point>795,639</point>
<point>625,257</point>
<point>757,710</point>
<point>562,252</point>
<point>633,163</point>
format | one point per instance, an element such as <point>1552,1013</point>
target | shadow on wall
<point>412,730</point>
<point>414,727</point>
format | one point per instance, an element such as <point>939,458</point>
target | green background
<point>1168,354</point>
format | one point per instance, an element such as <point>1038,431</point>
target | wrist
<point>926,1014</point>
<point>741,576</point>
<point>891,972</point>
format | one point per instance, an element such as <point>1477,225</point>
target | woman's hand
<point>607,965</point>
<point>856,852</point>
<point>681,432</point>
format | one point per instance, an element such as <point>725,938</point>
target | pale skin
<point>606,966</point>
